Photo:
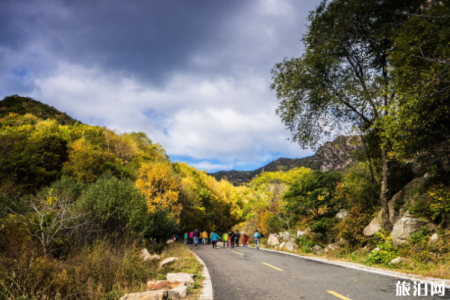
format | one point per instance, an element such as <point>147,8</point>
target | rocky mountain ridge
<point>331,156</point>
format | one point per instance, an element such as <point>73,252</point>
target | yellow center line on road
<point>238,253</point>
<point>278,269</point>
<point>338,295</point>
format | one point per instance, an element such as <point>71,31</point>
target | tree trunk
<point>387,225</point>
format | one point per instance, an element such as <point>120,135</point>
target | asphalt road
<point>246,273</point>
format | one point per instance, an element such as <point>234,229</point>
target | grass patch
<point>96,272</point>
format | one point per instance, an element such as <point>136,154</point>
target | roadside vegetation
<point>78,202</point>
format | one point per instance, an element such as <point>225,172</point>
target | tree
<point>50,215</point>
<point>266,199</point>
<point>419,117</point>
<point>157,184</point>
<point>311,192</point>
<point>343,78</point>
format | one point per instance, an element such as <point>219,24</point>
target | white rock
<point>282,245</point>
<point>433,239</point>
<point>375,250</point>
<point>290,246</point>
<point>342,214</point>
<point>373,227</point>
<point>285,236</point>
<point>181,290</point>
<point>145,255</point>
<point>169,242</point>
<point>398,260</point>
<point>168,261</point>
<point>331,248</point>
<point>404,228</point>
<point>273,240</point>
<point>300,233</point>
<point>317,249</point>
<point>180,277</point>
<point>151,295</point>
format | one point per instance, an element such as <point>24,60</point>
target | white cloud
<point>233,122</point>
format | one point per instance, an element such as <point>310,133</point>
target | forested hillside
<point>68,188</point>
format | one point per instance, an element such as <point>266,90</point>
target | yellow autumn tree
<point>156,182</point>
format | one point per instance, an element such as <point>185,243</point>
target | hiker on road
<point>205,237</point>
<point>231,238</point>
<point>191,237</point>
<point>186,236</point>
<point>225,239</point>
<point>257,236</point>
<point>214,239</point>
<point>237,235</point>
<point>245,239</point>
<point>196,236</point>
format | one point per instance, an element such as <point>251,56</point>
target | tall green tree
<point>343,78</point>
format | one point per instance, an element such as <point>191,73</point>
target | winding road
<point>246,273</point>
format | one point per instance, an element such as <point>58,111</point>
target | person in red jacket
<point>245,240</point>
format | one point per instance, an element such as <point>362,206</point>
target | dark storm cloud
<point>194,75</point>
<point>146,39</point>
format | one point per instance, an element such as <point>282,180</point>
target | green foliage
<point>311,192</point>
<point>386,252</point>
<point>115,206</point>
<point>305,243</point>
<point>25,105</point>
<point>434,205</point>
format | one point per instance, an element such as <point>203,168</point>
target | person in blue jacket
<point>214,239</point>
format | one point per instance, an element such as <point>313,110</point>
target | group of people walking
<point>229,239</point>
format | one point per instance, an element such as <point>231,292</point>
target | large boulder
<point>168,261</point>
<point>181,277</point>
<point>342,214</point>
<point>157,284</point>
<point>179,292</point>
<point>290,246</point>
<point>403,229</point>
<point>407,196</point>
<point>374,225</point>
<point>273,240</point>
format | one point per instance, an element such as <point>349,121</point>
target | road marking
<point>272,266</point>
<point>238,253</point>
<point>338,295</point>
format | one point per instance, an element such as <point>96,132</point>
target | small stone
<point>145,255</point>
<point>342,214</point>
<point>331,248</point>
<point>317,249</point>
<point>168,261</point>
<point>282,245</point>
<point>375,250</point>
<point>433,239</point>
<point>300,233</point>
<point>398,260</point>
<point>169,242</point>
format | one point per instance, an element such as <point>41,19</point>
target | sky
<point>194,75</point>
